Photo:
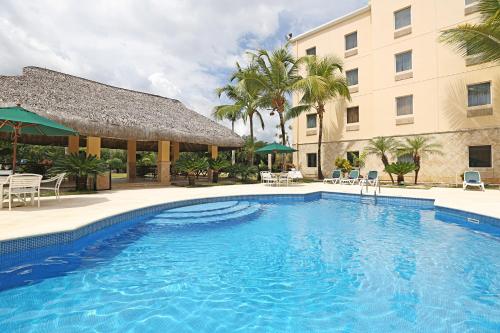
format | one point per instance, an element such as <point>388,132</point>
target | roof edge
<point>332,23</point>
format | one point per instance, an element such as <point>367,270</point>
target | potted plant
<point>81,166</point>
<point>217,165</point>
<point>343,164</point>
<point>191,164</point>
<point>400,169</point>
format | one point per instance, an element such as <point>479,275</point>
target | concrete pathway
<point>74,211</point>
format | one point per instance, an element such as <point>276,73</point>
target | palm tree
<point>482,39</point>
<point>381,146</point>
<point>246,101</point>
<point>322,84</point>
<point>418,147</point>
<point>275,75</point>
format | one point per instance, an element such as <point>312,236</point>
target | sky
<point>182,49</point>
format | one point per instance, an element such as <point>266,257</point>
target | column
<point>270,162</point>
<point>214,153</point>
<point>73,144</point>
<point>175,151</point>
<point>164,162</point>
<point>131,159</point>
<point>94,148</point>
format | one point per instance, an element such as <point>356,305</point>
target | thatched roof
<point>96,109</point>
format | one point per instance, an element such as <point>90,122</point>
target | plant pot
<point>401,180</point>
<point>81,183</point>
<point>191,180</point>
<point>215,176</point>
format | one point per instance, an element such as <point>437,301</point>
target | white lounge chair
<point>336,177</point>
<point>352,179</point>
<point>5,173</point>
<point>53,184</point>
<point>21,184</point>
<point>472,178</point>
<point>371,179</point>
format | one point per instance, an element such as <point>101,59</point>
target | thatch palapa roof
<point>96,109</point>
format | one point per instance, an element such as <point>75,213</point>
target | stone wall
<point>446,168</point>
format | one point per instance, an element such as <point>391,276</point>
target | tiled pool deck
<point>76,212</point>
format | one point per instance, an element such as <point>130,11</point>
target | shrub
<point>400,169</point>
<point>81,166</point>
<point>217,165</point>
<point>343,164</point>
<point>191,164</point>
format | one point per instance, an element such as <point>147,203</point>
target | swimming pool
<point>253,265</point>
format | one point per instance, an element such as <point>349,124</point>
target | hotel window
<point>311,161</point>
<point>351,41</point>
<point>352,155</point>
<point>353,115</point>
<point>311,121</point>
<point>402,18</point>
<point>404,157</point>
<point>352,77</point>
<point>404,105</point>
<point>311,51</point>
<point>403,61</point>
<point>479,94</point>
<point>480,156</point>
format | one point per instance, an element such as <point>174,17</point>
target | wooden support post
<point>214,153</point>
<point>131,159</point>
<point>164,162</point>
<point>73,144</point>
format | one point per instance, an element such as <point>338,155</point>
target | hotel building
<point>404,82</point>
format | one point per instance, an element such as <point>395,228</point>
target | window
<point>470,2</point>
<point>351,41</point>
<point>351,156</point>
<point>352,77</point>
<point>404,158</point>
<point>353,115</point>
<point>404,105</point>
<point>479,94</point>
<point>403,62</point>
<point>311,121</point>
<point>311,51</point>
<point>480,156</point>
<point>311,161</point>
<point>402,18</point>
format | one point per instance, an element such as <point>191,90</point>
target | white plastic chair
<point>22,184</point>
<point>268,178</point>
<point>57,180</point>
<point>472,178</point>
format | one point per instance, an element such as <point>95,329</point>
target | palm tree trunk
<point>251,140</point>
<point>385,161</point>
<point>416,160</point>
<point>282,125</point>
<point>232,126</point>
<point>320,141</point>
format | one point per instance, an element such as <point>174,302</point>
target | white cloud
<point>182,49</point>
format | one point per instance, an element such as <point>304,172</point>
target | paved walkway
<point>74,211</point>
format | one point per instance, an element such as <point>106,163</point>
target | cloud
<point>182,49</point>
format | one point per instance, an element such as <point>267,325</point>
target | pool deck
<point>74,211</point>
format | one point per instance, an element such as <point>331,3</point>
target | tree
<point>400,169</point>
<point>217,165</point>
<point>482,39</point>
<point>81,166</point>
<point>322,84</point>
<point>381,146</point>
<point>246,100</point>
<point>275,75</point>
<point>418,147</point>
<point>191,164</point>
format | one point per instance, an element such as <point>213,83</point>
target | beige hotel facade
<point>403,82</point>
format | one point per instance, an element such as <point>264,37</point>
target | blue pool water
<point>246,266</point>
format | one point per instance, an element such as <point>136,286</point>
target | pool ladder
<point>367,189</point>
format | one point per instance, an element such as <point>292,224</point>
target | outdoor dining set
<point>279,179</point>
<point>22,186</point>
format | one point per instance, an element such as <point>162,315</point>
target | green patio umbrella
<point>275,148</point>
<point>18,121</point>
